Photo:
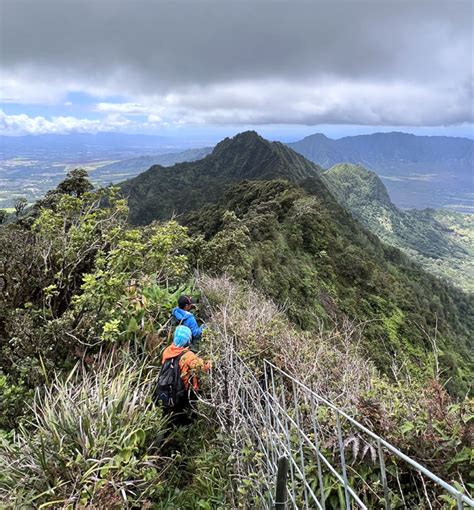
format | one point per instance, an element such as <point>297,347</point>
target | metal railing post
<point>343,461</point>
<point>281,492</point>
<point>384,476</point>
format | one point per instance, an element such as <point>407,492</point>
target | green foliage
<point>75,185</point>
<point>72,279</point>
<point>142,311</point>
<point>93,441</point>
<point>226,252</point>
<point>306,252</point>
<point>201,473</point>
<point>131,281</point>
<point>441,241</point>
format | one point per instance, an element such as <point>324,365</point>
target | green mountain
<point>85,301</point>
<point>419,171</point>
<point>161,192</point>
<point>390,152</point>
<point>288,234</point>
<point>441,241</point>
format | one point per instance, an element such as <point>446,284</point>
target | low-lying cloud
<point>24,124</point>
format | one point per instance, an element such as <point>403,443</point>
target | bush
<point>93,440</point>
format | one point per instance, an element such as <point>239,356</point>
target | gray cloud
<point>154,51</point>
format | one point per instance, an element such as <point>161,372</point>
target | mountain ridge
<point>186,186</point>
<point>268,214</point>
<point>419,171</point>
<point>423,235</point>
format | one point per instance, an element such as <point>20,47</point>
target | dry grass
<point>329,361</point>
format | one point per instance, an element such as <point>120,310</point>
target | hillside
<point>161,192</point>
<point>419,171</point>
<point>306,251</point>
<point>85,302</point>
<point>440,240</point>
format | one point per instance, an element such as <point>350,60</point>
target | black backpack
<point>170,387</point>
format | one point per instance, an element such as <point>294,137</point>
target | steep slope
<point>307,253</point>
<point>419,171</point>
<point>269,218</point>
<point>161,192</point>
<point>438,248</point>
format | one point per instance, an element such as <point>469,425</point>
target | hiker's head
<point>182,336</point>
<point>185,302</point>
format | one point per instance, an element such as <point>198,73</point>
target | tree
<point>3,216</point>
<point>19,205</point>
<point>75,184</point>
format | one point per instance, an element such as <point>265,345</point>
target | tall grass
<point>93,441</point>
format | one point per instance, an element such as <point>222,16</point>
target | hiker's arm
<point>196,330</point>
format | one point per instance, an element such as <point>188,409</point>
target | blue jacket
<point>188,319</point>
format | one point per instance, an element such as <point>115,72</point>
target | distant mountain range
<point>419,171</point>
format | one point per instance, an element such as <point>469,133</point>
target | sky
<point>212,68</point>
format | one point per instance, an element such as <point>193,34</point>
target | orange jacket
<point>189,363</point>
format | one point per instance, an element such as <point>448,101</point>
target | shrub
<point>93,440</point>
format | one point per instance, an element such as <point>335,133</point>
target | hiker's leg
<point>192,407</point>
<point>181,411</point>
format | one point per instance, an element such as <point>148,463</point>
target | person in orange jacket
<point>190,365</point>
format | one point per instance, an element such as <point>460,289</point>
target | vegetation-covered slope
<point>83,299</point>
<point>161,192</point>
<point>305,251</point>
<point>440,240</point>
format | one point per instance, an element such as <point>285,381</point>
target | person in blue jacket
<point>184,317</point>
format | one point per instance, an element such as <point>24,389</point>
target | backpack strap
<point>169,327</point>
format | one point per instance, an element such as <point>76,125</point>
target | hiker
<point>183,316</point>
<point>178,384</point>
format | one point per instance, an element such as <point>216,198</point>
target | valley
<point>29,167</point>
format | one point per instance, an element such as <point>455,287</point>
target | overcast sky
<point>284,67</point>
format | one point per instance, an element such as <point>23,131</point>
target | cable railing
<point>334,460</point>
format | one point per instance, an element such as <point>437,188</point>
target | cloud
<point>24,124</point>
<point>310,103</point>
<point>124,108</point>
<point>354,62</point>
